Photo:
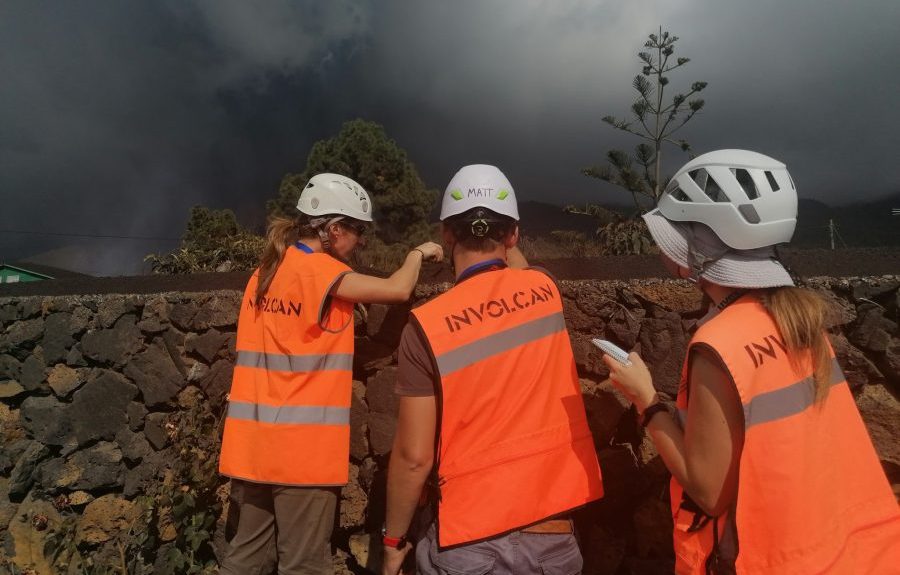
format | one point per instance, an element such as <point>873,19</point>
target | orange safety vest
<point>515,447</point>
<point>288,420</point>
<point>812,496</point>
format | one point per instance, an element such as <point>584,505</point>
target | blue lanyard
<point>479,267</point>
<point>303,247</point>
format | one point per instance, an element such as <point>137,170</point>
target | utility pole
<point>833,233</point>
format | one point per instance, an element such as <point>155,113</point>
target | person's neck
<point>718,293</point>
<point>315,244</point>
<point>463,259</point>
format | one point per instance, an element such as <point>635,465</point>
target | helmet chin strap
<point>321,226</point>
<point>698,261</point>
<point>697,264</point>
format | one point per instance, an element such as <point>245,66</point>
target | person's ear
<point>673,268</point>
<point>446,235</point>
<point>512,239</point>
<point>335,230</point>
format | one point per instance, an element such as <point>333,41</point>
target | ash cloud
<point>116,118</point>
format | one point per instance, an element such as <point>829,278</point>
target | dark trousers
<point>516,553</point>
<point>287,527</point>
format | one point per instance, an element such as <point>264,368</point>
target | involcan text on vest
<point>496,308</point>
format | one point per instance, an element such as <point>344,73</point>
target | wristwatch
<point>392,542</point>
<point>647,415</point>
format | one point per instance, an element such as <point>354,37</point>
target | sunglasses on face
<point>359,228</point>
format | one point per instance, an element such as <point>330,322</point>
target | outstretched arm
<point>362,288</point>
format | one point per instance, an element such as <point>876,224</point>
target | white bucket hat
<point>716,262</point>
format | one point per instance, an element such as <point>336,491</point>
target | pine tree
<point>653,119</point>
<point>363,151</point>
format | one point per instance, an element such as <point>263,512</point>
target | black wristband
<point>644,419</point>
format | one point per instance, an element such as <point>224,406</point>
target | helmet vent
<point>679,195</point>
<point>709,185</point>
<point>749,212</point>
<point>699,177</point>
<point>746,181</point>
<point>772,182</point>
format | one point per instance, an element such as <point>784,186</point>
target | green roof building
<point>12,274</point>
<point>28,272</point>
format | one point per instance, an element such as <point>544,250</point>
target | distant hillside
<point>865,224</point>
<point>868,224</point>
<point>539,219</point>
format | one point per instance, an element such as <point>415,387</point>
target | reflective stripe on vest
<point>295,363</point>
<point>285,414</point>
<point>289,407</point>
<point>812,496</point>
<point>498,343</point>
<point>511,406</point>
<point>781,403</point>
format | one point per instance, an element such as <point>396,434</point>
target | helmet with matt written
<point>479,186</point>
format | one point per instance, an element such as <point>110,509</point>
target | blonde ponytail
<point>800,316</point>
<point>281,234</point>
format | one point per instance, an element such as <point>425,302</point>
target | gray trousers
<point>287,527</point>
<point>515,553</point>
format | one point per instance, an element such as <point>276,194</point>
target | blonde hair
<point>800,316</point>
<point>280,235</point>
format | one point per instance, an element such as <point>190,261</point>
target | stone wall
<point>110,413</point>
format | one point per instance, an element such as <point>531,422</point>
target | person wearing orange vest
<point>285,444</point>
<point>772,468</point>
<point>491,404</point>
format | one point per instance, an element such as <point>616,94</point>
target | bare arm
<point>411,460</point>
<point>362,288</point>
<point>704,457</point>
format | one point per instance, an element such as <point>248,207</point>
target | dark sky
<point>117,117</point>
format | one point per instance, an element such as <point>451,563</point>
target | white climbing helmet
<point>748,199</point>
<point>479,185</point>
<point>337,195</point>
